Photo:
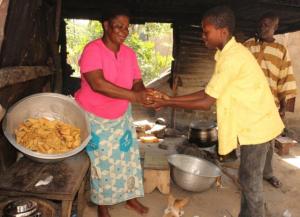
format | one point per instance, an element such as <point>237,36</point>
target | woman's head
<point>218,25</point>
<point>115,24</point>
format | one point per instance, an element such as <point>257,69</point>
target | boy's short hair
<point>221,17</point>
<point>112,12</point>
<point>270,15</point>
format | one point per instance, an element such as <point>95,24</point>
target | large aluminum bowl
<point>192,173</point>
<point>51,106</point>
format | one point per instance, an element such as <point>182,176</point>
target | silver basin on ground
<point>192,173</point>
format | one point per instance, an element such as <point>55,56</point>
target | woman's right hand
<point>143,97</point>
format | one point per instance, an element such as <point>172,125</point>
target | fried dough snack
<point>47,137</point>
<point>158,94</point>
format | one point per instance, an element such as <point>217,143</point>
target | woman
<point>110,80</point>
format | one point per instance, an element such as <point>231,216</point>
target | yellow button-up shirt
<point>246,111</point>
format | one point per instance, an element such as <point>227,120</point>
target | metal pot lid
<point>202,125</point>
<point>21,206</point>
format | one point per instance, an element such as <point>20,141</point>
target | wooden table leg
<point>66,208</point>
<point>150,180</point>
<point>81,199</point>
<point>157,178</point>
<point>164,181</point>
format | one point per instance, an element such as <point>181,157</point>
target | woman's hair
<point>221,17</point>
<point>112,12</point>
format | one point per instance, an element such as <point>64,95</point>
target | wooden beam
<point>13,75</point>
<point>3,13</point>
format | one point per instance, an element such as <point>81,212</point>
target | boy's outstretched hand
<point>158,103</point>
<point>155,99</point>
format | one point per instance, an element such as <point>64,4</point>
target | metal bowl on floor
<point>51,106</point>
<point>192,173</point>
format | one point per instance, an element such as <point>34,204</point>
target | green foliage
<point>157,29</point>
<point>79,33</point>
<point>141,39</point>
<point>152,63</point>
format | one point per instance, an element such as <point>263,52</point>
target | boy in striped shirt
<point>275,62</point>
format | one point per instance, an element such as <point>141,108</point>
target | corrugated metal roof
<point>190,11</point>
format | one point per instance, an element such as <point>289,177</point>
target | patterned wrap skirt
<point>116,173</point>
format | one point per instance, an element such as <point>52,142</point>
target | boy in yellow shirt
<point>246,111</point>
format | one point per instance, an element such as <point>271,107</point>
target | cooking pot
<point>203,133</point>
<point>21,208</point>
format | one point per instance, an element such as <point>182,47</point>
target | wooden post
<point>174,70</point>
<point>57,19</point>
<point>3,13</point>
<point>55,49</point>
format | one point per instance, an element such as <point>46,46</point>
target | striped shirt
<point>275,62</point>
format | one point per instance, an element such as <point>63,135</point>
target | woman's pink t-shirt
<point>120,70</point>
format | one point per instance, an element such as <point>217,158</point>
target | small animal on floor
<point>175,207</point>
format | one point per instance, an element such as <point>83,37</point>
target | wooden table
<point>69,177</point>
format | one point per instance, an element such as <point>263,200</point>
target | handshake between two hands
<point>154,98</point>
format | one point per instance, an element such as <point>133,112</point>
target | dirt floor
<point>225,202</point>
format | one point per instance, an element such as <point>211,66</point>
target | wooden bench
<point>69,177</point>
<point>156,173</point>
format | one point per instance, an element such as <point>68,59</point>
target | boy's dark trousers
<point>268,169</point>
<point>252,165</point>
